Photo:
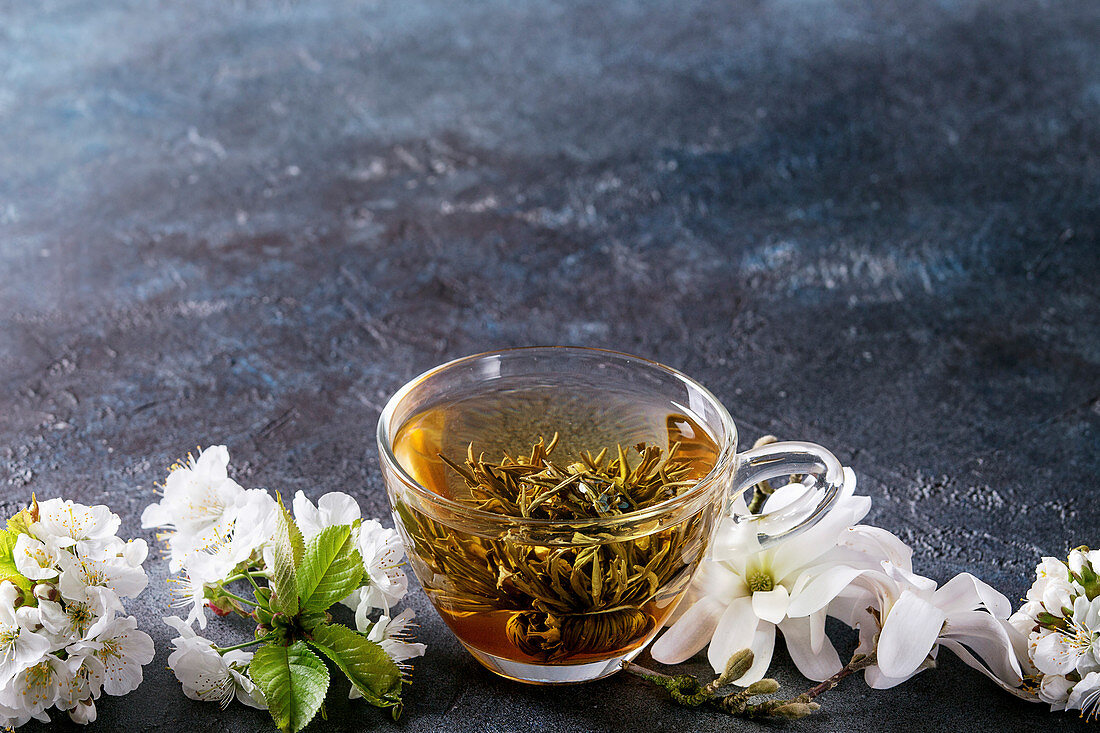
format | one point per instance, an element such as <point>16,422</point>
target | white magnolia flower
<point>739,598</point>
<point>382,552</point>
<point>121,650</point>
<point>34,559</point>
<point>906,619</point>
<point>1085,696</point>
<point>333,509</point>
<point>1076,646</point>
<point>199,504</point>
<point>19,646</point>
<point>67,523</point>
<point>207,675</point>
<point>37,687</point>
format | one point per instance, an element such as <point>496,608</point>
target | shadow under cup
<point>540,600</point>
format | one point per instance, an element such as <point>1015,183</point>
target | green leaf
<point>331,569</point>
<point>288,551</point>
<point>8,571</point>
<point>294,681</point>
<point>21,522</point>
<point>365,663</point>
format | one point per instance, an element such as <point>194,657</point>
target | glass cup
<point>550,602</point>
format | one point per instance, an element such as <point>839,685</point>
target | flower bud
<point>795,710</point>
<point>763,687</point>
<point>738,664</point>
<point>46,592</point>
<point>765,440</point>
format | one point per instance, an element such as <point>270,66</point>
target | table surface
<point>872,225</point>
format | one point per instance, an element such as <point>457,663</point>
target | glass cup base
<point>551,674</point>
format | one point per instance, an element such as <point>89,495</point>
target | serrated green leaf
<point>365,663</point>
<point>8,571</point>
<point>331,569</point>
<point>21,523</point>
<point>288,551</point>
<point>294,681</point>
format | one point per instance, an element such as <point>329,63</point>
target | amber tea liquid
<point>512,597</point>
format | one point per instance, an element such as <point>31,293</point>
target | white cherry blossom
<point>19,646</point>
<point>199,503</point>
<point>207,675</point>
<point>1085,696</point>
<point>83,577</point>
<point>37,687</point>
<point>121,650</point>
<point>333,509</point>
<point>382,553</point>
<point>76,620</point>
<point>34,559</point>
<point>393,635</point>
<point>1075,647</point>
<point>66,522</point>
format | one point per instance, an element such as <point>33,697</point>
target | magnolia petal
<point>876,680</point>
<point>908,635</point>
<point>763,646</point>
<point>735,631</point>
<point>964,654</point>
<point>964,592</point>
<point>815,664</point>
<point>987,638</point>
<point>771,605</point>
<point>817,630</point>
<point>691,632</point>
<point>785,496</point>
<point>821,590</point>
<point>802,549</point>
<point>878,544</point>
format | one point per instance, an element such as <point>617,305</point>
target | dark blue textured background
<point>868,224</point>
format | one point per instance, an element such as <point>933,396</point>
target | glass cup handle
<point>821,469</point>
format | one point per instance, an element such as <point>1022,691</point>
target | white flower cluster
<point>216,530</point>
<point>1061,622</point>
<point>63,638</point>
<point>743,594</point>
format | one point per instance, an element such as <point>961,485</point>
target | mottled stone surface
<point>868,224</point>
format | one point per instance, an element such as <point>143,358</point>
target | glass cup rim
<point>726,456</point>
